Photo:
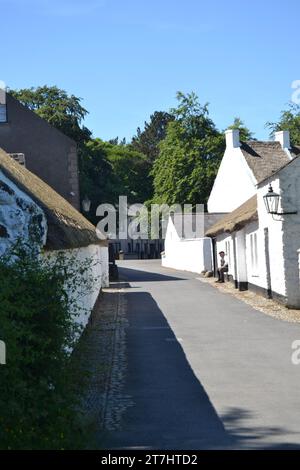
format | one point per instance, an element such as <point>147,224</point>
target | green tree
<point>245,133</point>
<point>289,121</point>
<point>147,141</point>
<point>41,388</point>
<point>130,173</point>
<point>61,110</point>
<point>189,155</point>
<point>109,170</point>
<point>96,175</point>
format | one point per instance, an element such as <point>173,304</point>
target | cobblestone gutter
<point>103,356</point>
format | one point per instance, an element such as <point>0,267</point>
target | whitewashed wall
<point>284,232</point>
<point>85,298</point>
<point>225,242</point>
<point>284,238</point>
<point>234,183</point>
<point>19,214</point>
<point>104,265</point>
<point>193,255</point>
<point>189,255</point>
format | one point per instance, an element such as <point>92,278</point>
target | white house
<point>262,249</point>
<point>186,251</point>
<point>28,205</point>
<point>245,164</point>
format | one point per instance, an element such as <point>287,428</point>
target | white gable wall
<point>193,254</point>
<point>284,231</point>
<point>234,183</point>
<point>277,241</point>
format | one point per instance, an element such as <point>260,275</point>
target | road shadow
<point>134,275</point>
<point>170,408</point>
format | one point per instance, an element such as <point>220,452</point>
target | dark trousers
<point>221,272</point>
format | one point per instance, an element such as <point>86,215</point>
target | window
<point>254,255</point>
<point>3,114</point>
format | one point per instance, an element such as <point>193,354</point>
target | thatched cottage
<point>258,182</point>
<point>28,205</point>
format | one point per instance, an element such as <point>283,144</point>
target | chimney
<point>232,138</point>
<point>283,137</point>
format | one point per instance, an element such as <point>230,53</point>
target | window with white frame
<point>254,254</point>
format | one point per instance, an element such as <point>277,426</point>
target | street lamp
<point>86,204</point>
<point>271,200</point>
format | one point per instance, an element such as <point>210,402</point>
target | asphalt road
<point>205,370</point>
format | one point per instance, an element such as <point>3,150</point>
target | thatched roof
<point>67,228</point>
<point>295,155</point>
<point>235,220</point>
<point>264,158</point>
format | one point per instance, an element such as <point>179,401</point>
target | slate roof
<point>67,228</point>
<point>236,219</point>
<point>184,222</point>
<point>264,158</point>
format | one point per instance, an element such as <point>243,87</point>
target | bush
<point>39,396</point>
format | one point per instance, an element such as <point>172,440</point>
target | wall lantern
<point>271,200</point>
<point>86,204</point>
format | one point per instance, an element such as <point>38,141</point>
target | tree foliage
<point>39,390</point>
<point>147,141</point>
<point>245,133</point>
<point>61,110</point>
<point>109,170</point>
<point>289,121</point>
<point>189,155</point>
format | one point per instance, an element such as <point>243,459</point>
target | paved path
<point>204,369</point>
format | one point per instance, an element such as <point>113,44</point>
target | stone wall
<point>20,217</point>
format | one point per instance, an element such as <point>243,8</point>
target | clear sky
<point>127,58</point>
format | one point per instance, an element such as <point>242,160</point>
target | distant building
<point>137,248</point>
<point>46,151</point>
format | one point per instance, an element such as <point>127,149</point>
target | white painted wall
<point>193,254</point>
<point>284,238</point>
<point>85,298</point>
<point>284,231</point>
<point>18,214</point>
<point>234,183</point>
<point>225,242</point>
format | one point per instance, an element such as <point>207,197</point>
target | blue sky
<point>127,58</point>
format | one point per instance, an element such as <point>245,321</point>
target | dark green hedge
<point>39,396</point>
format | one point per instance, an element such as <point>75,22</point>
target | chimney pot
<point>232,138</point>
<point>283,137</point>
